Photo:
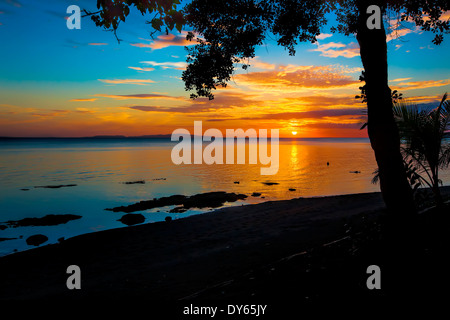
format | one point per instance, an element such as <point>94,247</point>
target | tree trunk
<point>382,129</point>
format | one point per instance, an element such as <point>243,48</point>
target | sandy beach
<point>250,254</point>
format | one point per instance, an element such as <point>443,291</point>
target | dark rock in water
<point>57,186</point>
<point>3,227</point>
<point>211,199</point>
<point>132,218</point>
<point>48,220</point>
<point>36,240</point>
<point>159,179</point>
<point>25,189</point>
<point>355,171</point>
<point>292,189</point>
<point>202,200</point>
<point>135,182</point>
<point>256,194</point>
<point>60,239</point>
<point>178,209</point>
<point>168,219</point>
<point>270,183</point>
<point>150,204</point>
<point>236,182</point>
<point>4,239</point>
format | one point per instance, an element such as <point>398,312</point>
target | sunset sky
<point>56,82</point>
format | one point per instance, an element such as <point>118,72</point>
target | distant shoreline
<point>168,137</point>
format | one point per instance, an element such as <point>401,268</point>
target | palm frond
<point>424,133</point>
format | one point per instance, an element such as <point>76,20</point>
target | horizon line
<point>160,136</point>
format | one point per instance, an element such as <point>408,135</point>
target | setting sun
<point>294,133</point>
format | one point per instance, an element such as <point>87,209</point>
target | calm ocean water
<point>99,168</point>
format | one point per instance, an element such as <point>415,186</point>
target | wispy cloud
<point>324,36</point>
<point>182,109</point>
<point>398,29</point>
<point>83,100</point>
<point>97,44</point>
<point>142,69</point>
<point>400,79</point>
<point>411,85</point>
<point>317,102</point>
<point>84,110</point>
<point>425,99</point>
<point>50,113</point>
<point>15,109</point>
<point>167,65</point>
<point>140,96</point>
<point>223,101</point>
<point>127,81</point>
<point>315,114</point>
<point>400,32</point>
<point>257,63</point>
<point>164,41</point>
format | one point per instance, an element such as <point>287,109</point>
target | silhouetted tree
<point>231,29</point>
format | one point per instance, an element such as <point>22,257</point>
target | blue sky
<point>60,82</point>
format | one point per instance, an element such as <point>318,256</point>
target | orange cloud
<point>445,16</point>
<point>400,32</point>
<point>400,79</point>
<point>257,63</point>
<point>322,101</point>
<point>49,113</point>
<point>84,110</point>
<point>425,99</point>
<point>83,100</point>
<point>164,41</point>
<point>142,69</point>
<point>422,84</point>
<point>299,76</point>
<point>356,113</point>
<point>224,100</point>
